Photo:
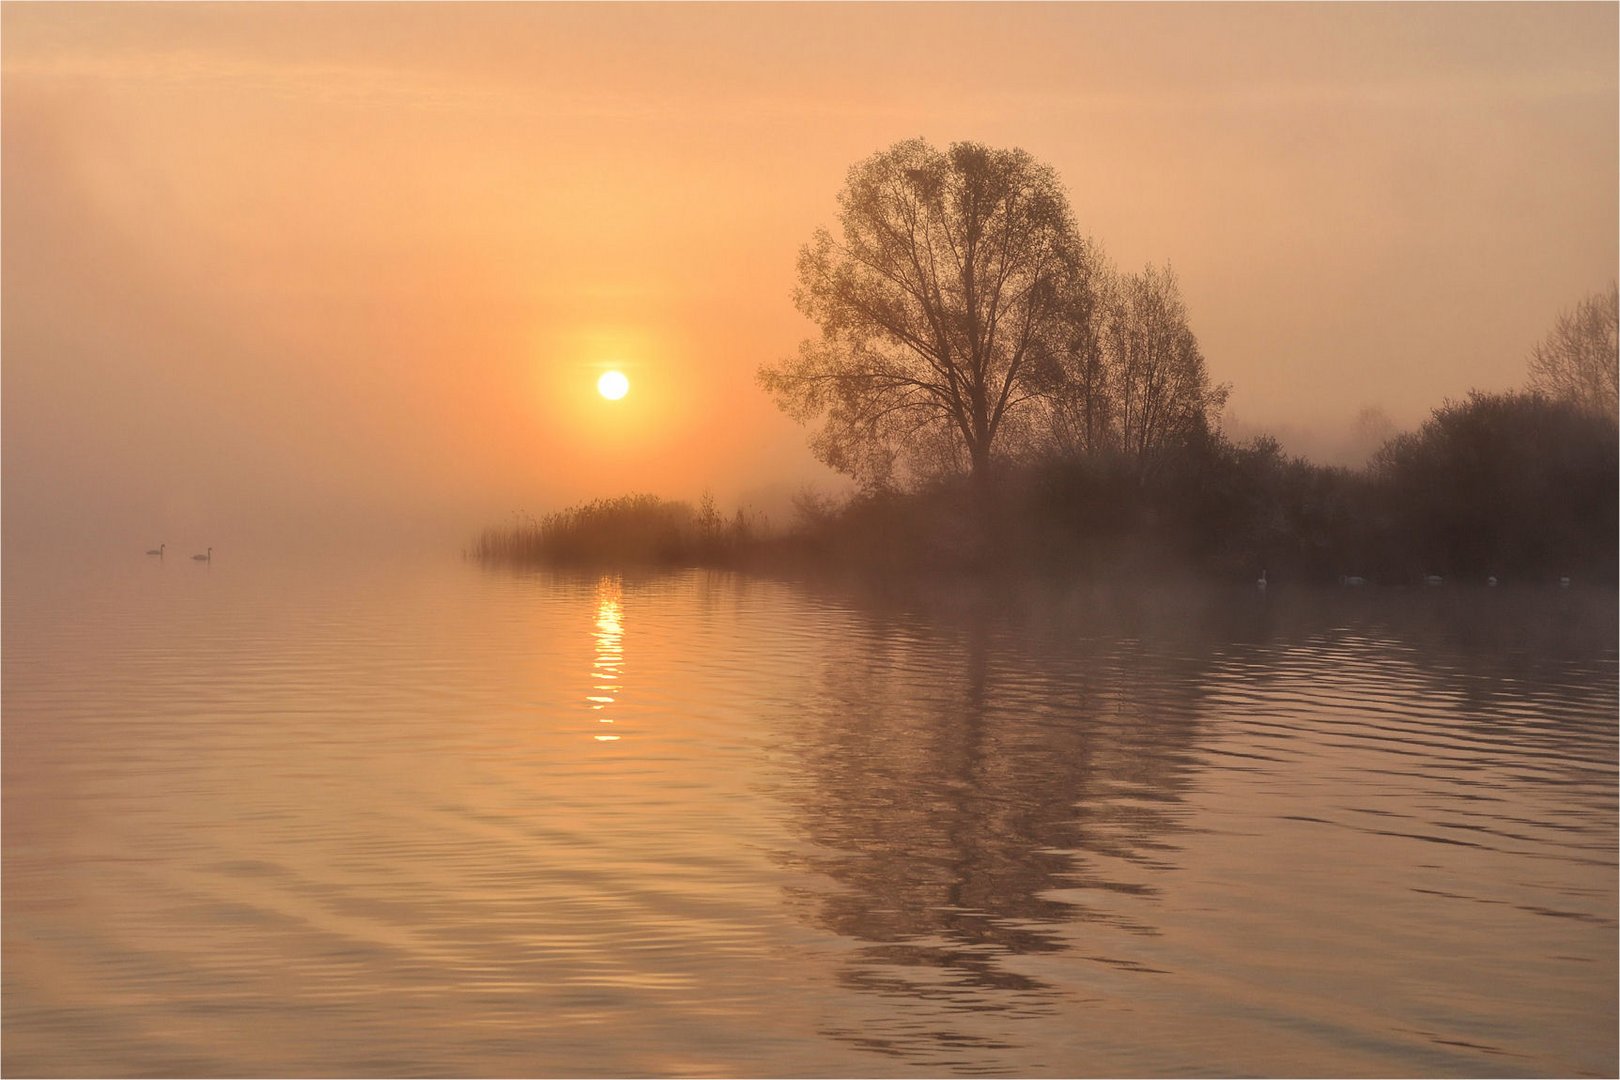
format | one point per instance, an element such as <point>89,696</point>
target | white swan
<point>1351,581</point>
<point>158,551</point>
<point>1261,584</point>
<point>1490,582</point>
<point>1433,579</point>
<point>205,558</point>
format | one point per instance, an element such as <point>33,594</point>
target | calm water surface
<point>437,820</point>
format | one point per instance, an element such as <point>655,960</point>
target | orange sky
<point>338,264</point>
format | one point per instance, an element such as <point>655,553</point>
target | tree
<point>941,304</point>
<point>1132,380</point>
<point>1164,393</point>
<point>1080,384</point>
<point>1577,361</point>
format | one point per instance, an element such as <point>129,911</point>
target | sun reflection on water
<point>608,668</point>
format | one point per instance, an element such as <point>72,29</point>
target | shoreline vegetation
<point>1512,486</point>
<point>1009,402</point>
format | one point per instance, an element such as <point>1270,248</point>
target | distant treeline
<point>1515,486</point>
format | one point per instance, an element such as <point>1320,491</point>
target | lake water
<point>433,819</point>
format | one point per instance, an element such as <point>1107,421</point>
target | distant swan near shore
<point>1261,584</point>
<point>158,551</point>
<point>205,558</point>
<point>1351,581</point>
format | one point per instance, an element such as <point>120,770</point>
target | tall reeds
<point>629,530</point>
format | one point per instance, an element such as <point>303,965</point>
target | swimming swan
<point>205,558</point>
<point>158,551</point>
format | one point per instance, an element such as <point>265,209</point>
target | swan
<point>205,558</point>
<point>1563,583</point>
<point>158,551</point>
<point>1261,584</point>
<point>1352,582</point>
<point>1433,579</point>
<point>1490,582</point>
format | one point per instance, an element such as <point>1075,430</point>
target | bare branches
<point>1136,384</point>
<point>963,319</point>
<point>940,252</point>
<point>1577,361</point>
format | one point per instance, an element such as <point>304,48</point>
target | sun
<point>613,385</point>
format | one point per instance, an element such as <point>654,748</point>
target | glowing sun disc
<point>613,385</point>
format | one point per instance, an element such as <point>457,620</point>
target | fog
<point>319,274</point>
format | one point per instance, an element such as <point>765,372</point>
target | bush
<point>1509,484</point>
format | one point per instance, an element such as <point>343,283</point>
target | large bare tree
<point>941,303</point>
<point>1577,361</point>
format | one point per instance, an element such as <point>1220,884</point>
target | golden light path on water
<point>609,665</point>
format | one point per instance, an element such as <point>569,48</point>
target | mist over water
<point>326,289</point>
<point>414,817</point>
<point>280,270</point>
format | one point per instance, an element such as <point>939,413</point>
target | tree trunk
<point>983,492</point>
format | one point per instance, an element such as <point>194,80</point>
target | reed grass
<point>630,530</point>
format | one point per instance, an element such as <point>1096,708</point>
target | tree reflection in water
<point>963,813</point>
<point>991,799</point>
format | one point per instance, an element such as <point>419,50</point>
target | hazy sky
<point>307,267</point>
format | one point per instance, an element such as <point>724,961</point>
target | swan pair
<point>158,551</point>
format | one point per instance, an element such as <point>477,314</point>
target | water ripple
<point>432,820</point>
